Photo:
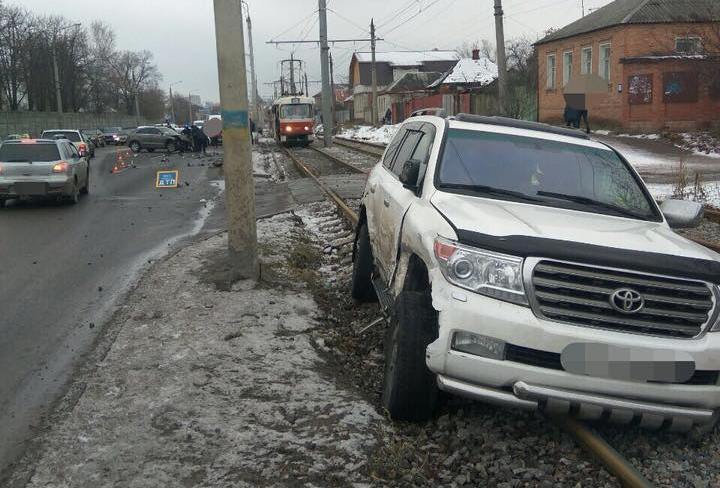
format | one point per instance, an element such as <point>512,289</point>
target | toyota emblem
<point>626,300</point>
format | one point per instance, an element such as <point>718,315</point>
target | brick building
<point>660,59</point>
<point>391,67</point>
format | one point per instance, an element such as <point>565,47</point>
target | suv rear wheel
<point>362,288</point>
<point>410,391</point>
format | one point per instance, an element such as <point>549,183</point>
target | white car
<point>528,266</point>
<point>78,139</point>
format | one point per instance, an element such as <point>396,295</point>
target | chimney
<point>476,54</point>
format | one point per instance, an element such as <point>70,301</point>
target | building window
<point>640,89</point>
<point>567,66</point>
<point>551,71</point>
<point>604,61</point>
<point>586,61</point>
<point>688,45</point>
<point>680,87</point>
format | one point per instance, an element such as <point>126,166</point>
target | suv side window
<point>393,147</point>
<point>410,144</point>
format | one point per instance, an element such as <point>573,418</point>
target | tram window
<point>295,111</point>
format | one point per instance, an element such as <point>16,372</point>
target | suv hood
<point>504,218</point>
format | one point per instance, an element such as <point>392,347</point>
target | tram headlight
<point>288,128</point>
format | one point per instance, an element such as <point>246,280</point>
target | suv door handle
<point>372,188</point>
<point>386,202</point>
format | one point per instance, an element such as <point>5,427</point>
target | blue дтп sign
<point>166,179</point>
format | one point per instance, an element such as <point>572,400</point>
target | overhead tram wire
<point>396,27</point>
<point>398,13</point>
<point>304,19</point>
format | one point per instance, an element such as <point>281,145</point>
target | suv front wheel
<point>135,146</point>
<point>410,391</point>
<point>362,287</point>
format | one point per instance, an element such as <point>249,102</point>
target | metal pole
<point>253,77</point>
<point>239,182</point>
<point>374,110</point>
<point>292,74</point>
<point>58,92</point>
<point>502,65</point>
<point>332,89</point>
<point>172,105</point>
<point>324,49</point>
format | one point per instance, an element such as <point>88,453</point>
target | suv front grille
<point>581,295</point>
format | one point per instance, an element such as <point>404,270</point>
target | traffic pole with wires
<point>239,182</point>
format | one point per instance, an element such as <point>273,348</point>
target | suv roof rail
<point>520,124</point>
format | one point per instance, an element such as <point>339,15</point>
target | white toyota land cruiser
<point>526,265</point>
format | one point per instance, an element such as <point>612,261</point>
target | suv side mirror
<point>682,213</point>
<point>410,173</point>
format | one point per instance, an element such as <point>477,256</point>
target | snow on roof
<point>407,58</point>
<point>470,71</point>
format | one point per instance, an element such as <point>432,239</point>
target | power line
<point>351,22</point>
<point>412,17</point>
<point>304,19</point>
<point>399,12</point>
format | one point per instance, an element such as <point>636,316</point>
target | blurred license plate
<point>628,364</point>
<point>30,188</point>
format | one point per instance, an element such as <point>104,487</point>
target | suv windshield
<point>295,111</point>
<point>544,172</point>
<point>19,153</point>
<point>68,134</point>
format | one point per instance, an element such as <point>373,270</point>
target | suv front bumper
<point>517,384</point>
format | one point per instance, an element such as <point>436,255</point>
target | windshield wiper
<point>490,190</point>
<point>594,203</point>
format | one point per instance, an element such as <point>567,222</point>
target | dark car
<point>152,138</point>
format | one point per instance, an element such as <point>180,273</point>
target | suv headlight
<point>484,272</point>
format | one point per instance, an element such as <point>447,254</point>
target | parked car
<point>81,142</point>
<point>152,138</point>
<point>42,168</point>
<point>111,135</point>
<point>528,266</point>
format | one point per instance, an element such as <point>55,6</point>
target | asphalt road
<point>63,269</point>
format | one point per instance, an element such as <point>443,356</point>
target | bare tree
<point>15,26</point>
<point>131,72</point>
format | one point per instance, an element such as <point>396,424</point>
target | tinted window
<point>72,151</point>
<point>10,153</point>
<point>406,150</point>
<point>145,130</point>
<point>73,136</point>
<point>548,172</point>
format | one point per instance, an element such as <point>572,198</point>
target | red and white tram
<point>293,120</point>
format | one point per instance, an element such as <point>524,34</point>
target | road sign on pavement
<point>166,179</point>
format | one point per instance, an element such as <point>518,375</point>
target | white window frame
<point>586,63</point>
<point>688,38</point>
<point>567,74</point>
<point>551,80</point>
<point>601,61</point>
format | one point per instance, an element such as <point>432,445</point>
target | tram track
<point>587,438</point>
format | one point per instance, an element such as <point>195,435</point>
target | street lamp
<point>58,91</point>
<point>172,101</point>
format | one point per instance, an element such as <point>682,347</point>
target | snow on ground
<point>700,143</point>
<point>379,135</point>
<point>710,193</point>
<point>205,387</point>
<point>263,166</point>
<point>651,137</point>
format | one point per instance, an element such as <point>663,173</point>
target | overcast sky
<point>181,33</point>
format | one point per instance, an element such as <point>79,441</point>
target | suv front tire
<point>410,390</point>
<point>362,287</point>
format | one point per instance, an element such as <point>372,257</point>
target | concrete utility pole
<point>293,89</point>
<point>58,91</point>
<point>332,89</point>
<point>137,102</point>
<point>325,70</point>
<point>374,110</point>
<point>502,65</point>
<point>239,182</point>
<point>253,77</point>
<point>172,101</point>
<point>190,110</point>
